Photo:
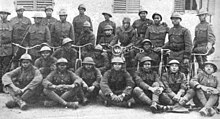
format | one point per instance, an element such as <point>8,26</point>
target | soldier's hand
<point>157,49</point>
<point>186,61</point>
<point>17,90</point>
<point>114,97</point>
<point>176,98</point>
<point>121,97</point>
<point>205,88</point>
<point>209,46</point>
<point>164,24</point>
<point>91,88</point>
<point>84,85</point>
<point>153,89</point>
<point>60,87</point>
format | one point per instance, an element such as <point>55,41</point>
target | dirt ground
<point>91,111</point>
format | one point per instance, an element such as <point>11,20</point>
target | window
<point>182,5</point>
<point>126,6</point>
<point>34,5</point>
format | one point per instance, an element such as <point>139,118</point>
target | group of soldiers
<point>50,70</point>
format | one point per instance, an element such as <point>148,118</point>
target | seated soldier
<point>61,85</point>
<point>107,38</point>
<point>149,87</point>
<point>91,76</point>
<point>174,81</point>
<point>22,83</point>
<point>116,85</point>
<point>46,63</point>
<point>207,88</point>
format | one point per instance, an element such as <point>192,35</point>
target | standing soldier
<point>22,83</point>
<point>5,43</point>
<point>49,20</point>
<point>61,29</point>
<point>204,38</point>
<point>79,20</point>
<point>37,34</point>
<point>20,26</point>
<point>180,42</point>
<point>157,32</point>
<point>102,25</point>
<point>141,25</point>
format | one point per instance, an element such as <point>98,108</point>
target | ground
<point>91,111</point>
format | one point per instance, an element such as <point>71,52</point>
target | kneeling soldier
<point>116,85</point>
<point>22,83</point>
<point>61,85</point>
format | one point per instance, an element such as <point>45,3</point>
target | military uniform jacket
<point>206,80</point>
<point>180,43</point>
<point>91,77</point>
<point>69,54</point>
<point>145,79</point>
<point>49,21</point>
<point>20,27</point>
<point>61,30</point>
<point>105,39</point>
<point>61,78</point>
<point>141,26</point>
<point>125,36</point>
<point>101,27</point>
<point>116,82</point>
<point>85,38</point>
<point>173,83</point>
<point>157,34</point>
<point>203,35</point>
<point>20,77</point>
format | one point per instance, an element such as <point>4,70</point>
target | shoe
<point>85,101</point>
<point>49,103</point>
<point>130,102</point>
<point>153,107</point>
<point>203,112</point>
<point>73,105</point>
<point>11,104</point>
<point>218,110</point>
<point>106,103</point>
<point>23,105</point>
<point>211,112</point>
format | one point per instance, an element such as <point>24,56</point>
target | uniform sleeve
<point>211,36</point>
<point>37,63</point>
<point>129,82</point>
<point>195,81</point>
<point>114,28</point>
<point>47,35</point>
<point>71,33</point>
<point>188,44</point>
<point>99,35</point>
<point>158,79</point>
<point>7,78</point>
<point>90,21</point>
<point>76,79</point>
<point>106,63</point>
<point>167,87</point>
<point>147,34</point>
<point>139,81</point>
<point>104,84</point>
<point>98,78</point>
<point>37,80</point>
<point>47,82</point>
<point>183,86</point>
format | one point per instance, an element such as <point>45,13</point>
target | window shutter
<point>211,7</point>
<point>133,6</point>
<point>119,6</point>
<point>179,6</point>
<point>34,5</point>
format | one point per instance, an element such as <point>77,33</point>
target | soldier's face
<point>126,25</point>
<point>49,12</point>
<point>45,54</point>
<point>174,68</point>
<point>88,66</point>
<point>20,12</point>
<point>62,66</point>
<point>117,66</point>
<point>108,32</point>
<point>25,63</point>
<point>202,17</point>
<point>63,17</point>
<point>3,16</point>
<point>147,46</point>
<point>176,21</point>
<point>147,65</point>
<point>37,20</point>
<point>81,11</point>
<point>209,69</point>
<point>107,17</point>
<point>157,19</point>
<point>143,15</point>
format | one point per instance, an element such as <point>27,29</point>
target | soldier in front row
<point>22,83</point>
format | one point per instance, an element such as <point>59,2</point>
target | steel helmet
<point>19,8</point>
<point>38,15</point>
<point>48,7</point>
<point>62,12</point>
<point>146,58</point>
<point>156,14</point>
<point>108,27</point>
<point>211,63</point>
<point>176,15</point>
<point>146,40</point>
<point>66,40</point>
<point>86,24</point>
<point>202,11</point>
<point>88,60</point>
<point>142,10</point>
<point>99,47</point>
<point>105,13</point>
<point>126,20</point>
<point>45,48</point>
<point>117,60</point>
<point>82,6</point>
<point>5,11</point>
<point>61,60</point>
<point>174,62</point>
<point>26,57</point>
